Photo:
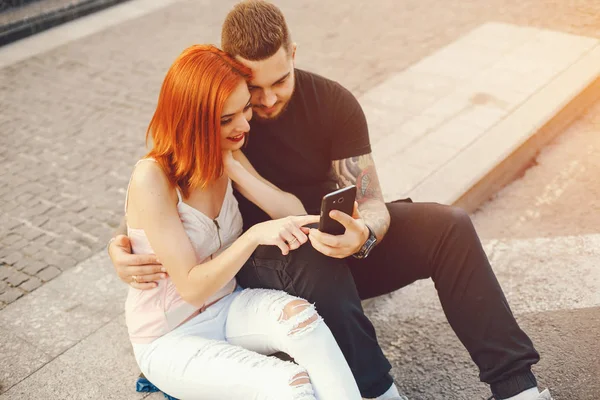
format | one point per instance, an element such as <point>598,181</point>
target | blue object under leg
<point>143,385</point>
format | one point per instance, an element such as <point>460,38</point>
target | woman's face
<point>234,120</point>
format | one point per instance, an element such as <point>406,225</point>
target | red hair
<point>186,128</point>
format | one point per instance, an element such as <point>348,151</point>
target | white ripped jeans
<point>221,353</point>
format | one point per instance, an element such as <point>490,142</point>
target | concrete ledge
<point>462,123</point>
<point>497,175</point>
<point>503,152</point>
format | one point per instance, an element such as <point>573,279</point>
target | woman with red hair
<point>197,335</point>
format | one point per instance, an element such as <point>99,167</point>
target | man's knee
<point>459,220</point>
<point>450,217</point>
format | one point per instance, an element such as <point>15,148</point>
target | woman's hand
<point>286,233</point>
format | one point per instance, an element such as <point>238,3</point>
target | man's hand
<point>341,246</point>
<point>141,271</point>
<point>360,171</point>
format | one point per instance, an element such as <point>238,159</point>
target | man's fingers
<point>143,270</point>
<point>149,277</point>
<point>320,247</point>
<point>143,286</point>
<point>143,259</point>
<point>122,241</point>
<point>325,238</point>
<point>355,213</point>
<point>342,218</point>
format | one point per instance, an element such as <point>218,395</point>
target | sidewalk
<point>26,18</point>
<point>68,338</point>
<point>76,113</point>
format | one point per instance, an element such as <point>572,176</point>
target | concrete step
<point>462,123</point>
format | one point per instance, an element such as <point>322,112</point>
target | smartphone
<point>342,200</point>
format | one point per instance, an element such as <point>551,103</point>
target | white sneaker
<point>545,395</point>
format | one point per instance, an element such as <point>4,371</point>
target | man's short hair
<point>255,30</point>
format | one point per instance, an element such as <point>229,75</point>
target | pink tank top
<point>155,312</point>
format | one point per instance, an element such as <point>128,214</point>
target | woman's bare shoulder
<point>150,180</point>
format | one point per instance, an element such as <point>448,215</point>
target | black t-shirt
<point>323,122</point>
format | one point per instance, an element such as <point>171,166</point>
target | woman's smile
<point>237,138</point>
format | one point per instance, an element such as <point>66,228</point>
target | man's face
<point>272,84</point>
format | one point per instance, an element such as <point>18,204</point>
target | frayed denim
<point>222,352</point>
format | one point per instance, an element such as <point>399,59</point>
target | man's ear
<point>294,47</point>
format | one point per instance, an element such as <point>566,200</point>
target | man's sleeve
<point>349,131</point>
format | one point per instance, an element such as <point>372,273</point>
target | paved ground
<point>21,19</point>
<point>557,206</point>
<point>541,234</point>
<point>72,122</point>
<point>73,118</point>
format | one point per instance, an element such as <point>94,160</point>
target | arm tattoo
<point>360,171</point>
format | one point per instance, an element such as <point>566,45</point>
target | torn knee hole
<point>292,308</point>
<point>299,316</point>
<point>305,324</point>
<point>300,379</point>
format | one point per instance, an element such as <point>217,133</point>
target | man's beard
<point>260,118</point>
<point>280,113</point>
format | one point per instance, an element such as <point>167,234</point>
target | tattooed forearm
<point>360,171</point>
<point>344,171</point>
<point>376,216</point>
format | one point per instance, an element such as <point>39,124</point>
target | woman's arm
<point>272,200</point>
<point>153,207</point>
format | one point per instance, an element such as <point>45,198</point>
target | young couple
<point>219,219</point>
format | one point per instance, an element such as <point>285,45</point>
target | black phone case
<point>342,200</point>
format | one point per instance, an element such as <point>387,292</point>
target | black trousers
<point>425,240</point>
